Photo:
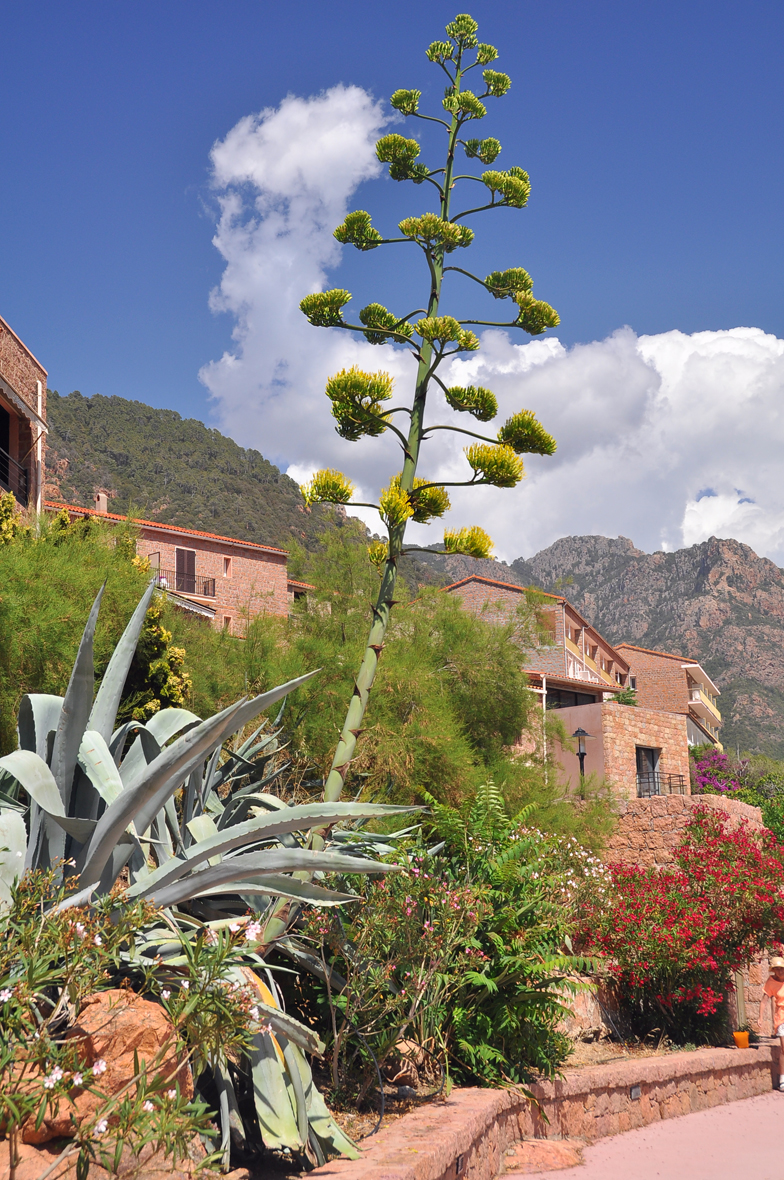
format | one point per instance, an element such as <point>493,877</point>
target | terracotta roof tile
<point>157,524</point>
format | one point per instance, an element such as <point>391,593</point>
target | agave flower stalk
<point>359,400</point>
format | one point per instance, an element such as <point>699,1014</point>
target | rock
<point>33,1162</point>
<point>112,1025</point>
<point>541,1155</point>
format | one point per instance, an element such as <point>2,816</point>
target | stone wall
<point>648,830</point>
<point>661,679</point>
<point>467,1135</point>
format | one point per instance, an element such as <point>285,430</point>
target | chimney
<point>101,502</point>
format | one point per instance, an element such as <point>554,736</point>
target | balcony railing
<point>193,584</point>
<point>14,477</point>
<point>655,782</point>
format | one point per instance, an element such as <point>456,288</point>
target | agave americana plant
<point>185,823</point>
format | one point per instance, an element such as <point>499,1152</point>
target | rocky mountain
<point>716,602</point>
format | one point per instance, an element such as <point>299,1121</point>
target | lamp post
<point>581,736</point>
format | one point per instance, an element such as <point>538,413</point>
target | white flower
<point>99,1067</point>
<point>165,994</point>
<point>185,985</point>
<point>211,937</point>
<point>54,1077</point>
<point>148,1106</point>
<point>234,927</point>
<point>80,929</point>
<point>98,940</point>
<point>254,1012</point>
<point>76,1080</point>
<point>5,995</point>
<point>171,1094</point>
<point>100,1127</point>
<point>253,932</point>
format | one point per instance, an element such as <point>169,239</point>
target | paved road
<point>732,1142</point>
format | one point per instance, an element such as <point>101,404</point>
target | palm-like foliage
<point>191,827</point>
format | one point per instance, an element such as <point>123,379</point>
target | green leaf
<point>277,1121</point>
<point>95,759</point>
<point>38,716</point>
<point>13,847</point>
<point>169,723</point>
<point>77,705</point>
<point>107,702</point>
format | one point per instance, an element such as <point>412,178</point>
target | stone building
<point>574,669</point>
<point>22,420</point>
<point>227,580</point>
<point>676,684</point>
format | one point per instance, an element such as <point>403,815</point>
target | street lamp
<point>581,736</point>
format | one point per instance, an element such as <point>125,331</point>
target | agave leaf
<point>35,776</point>
<point>321,1121</point>
<point>76,899</point>
<point>13,846</point>
<point>264,827</point>
<point>107,702</point>
<point>75,712</point>
<point>144,749</point>
<point>169,723</point>
<point>283,886</point>
<point>95,759</point>
<point>39,715</point>
<point>144,795</point>
<point>271,1096</point>
<point>251,864</point>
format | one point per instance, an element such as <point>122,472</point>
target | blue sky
<point>652,133</point>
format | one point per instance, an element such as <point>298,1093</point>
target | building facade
<point>641,749</point>
<point>227,580</point>
<point>22,420</point>
<point>676,684</point>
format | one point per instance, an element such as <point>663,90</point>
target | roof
<point>7,328</point>
<point>157,524</point>
<point>303,585</point>
<point>648,651</point>
<point>554,678</point>
<point>504,586</point>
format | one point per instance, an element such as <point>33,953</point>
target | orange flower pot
<point>741,1039</point>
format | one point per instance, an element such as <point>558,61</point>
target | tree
<point>359,399</point>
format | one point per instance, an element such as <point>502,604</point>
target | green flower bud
<point>497,84</point>
<point>406,101</point>
<point>463,30</point>
<point>465,105</point>
<point>485,54</point>
<point>356,402</point>
<point>323,307</point>
<point>328,487</point>
<point>396,149</point>
<point>357,231</point>
<point>440,51</point>
<point>486,150</point>
<point>472,542</point>
<point>473,399</point>
<point>535,316</point>
<point>430,230</point>
<point>503,284</point>
<point>526,436</point>
<point>375,315</point>
<point>514,186</point>
<point>497,465</point>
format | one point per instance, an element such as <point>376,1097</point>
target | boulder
<point>111,1026</point>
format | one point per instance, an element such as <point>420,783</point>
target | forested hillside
<point>165,467</point>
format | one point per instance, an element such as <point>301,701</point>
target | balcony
<point>193,584</point>
<point>14,478</point>
<point>704,704</point>
<point>656,782</point>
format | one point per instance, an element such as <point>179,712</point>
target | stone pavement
<point>725,1143</point>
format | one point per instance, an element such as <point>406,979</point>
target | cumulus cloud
<point>667,439</point>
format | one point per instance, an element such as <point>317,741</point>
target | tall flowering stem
<point>359,400</point>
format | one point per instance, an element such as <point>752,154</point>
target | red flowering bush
<point>673,938</point>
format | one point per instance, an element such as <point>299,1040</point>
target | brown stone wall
<point>468,1134</point>
<point>617,730</point>
<point>20,369</point>
<point>648,830</point>
<point>661,681</point>
<point>257,583</point>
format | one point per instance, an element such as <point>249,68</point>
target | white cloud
<point>667,439</point>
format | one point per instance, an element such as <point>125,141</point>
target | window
<point>185,571</point>
<point>633,682</point>
<point>227,567</point>
<point>227,623</point>
<point>561,698</point>
<point>154,560</point>
<point>620,677</point>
